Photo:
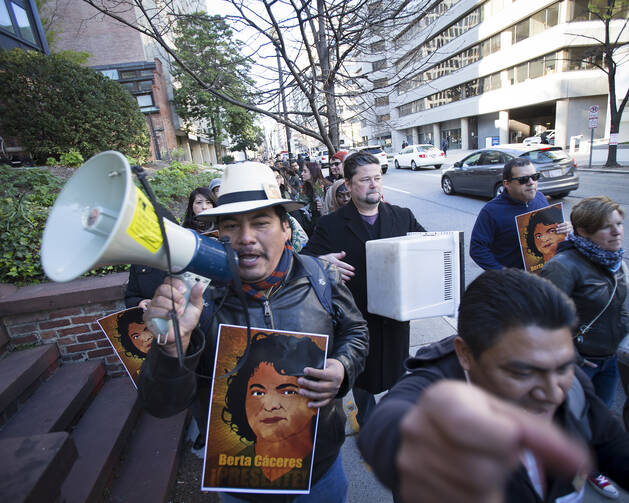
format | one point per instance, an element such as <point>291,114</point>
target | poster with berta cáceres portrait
<point>260,432</point>
<point>129,337</point>
<point>537,231</point>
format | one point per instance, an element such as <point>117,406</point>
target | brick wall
<point>65,314</point>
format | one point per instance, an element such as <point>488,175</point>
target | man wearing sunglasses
<point>495,243</point>
<point>336,167</point>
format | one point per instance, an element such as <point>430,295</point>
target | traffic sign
<point>593,112</point>
<point>593,123</point>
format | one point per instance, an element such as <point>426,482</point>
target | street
<point>421,192</point>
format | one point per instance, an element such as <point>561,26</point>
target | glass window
<point>382,100</point>
<point>145,85</point>
<point>127,74</point>
<point>552,15</point>
<point>378,46</point>
<point>146,73</point>
<point>130,86</point>
<point>5,19</point>
<point>536,68</point>
<point>145,100</point>
<point>550,64</point>
<point>495,81</point>
<point>522,72</point>
<point>538,22</point>
<point>491,157</point>
<point>23,23</point>
<point>472,160</point>
<point>379,65</point>
<point>522,30</point>
<point>380,83</point>
<point>110,74</point>
<point>511,76</point>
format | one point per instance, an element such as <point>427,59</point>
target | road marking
<point>398,190</point>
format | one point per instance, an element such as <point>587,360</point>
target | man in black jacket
<point>487,415</point>
<point>279,295</point>
<point>340,238</point>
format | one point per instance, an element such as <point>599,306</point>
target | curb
<point>624,171</point>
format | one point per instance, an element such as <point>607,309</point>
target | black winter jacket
<point>345,230</point>
<point>590,285</point>
<point>379,438</point>
<point>166,389</point>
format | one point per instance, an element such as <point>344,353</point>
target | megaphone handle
<point>161,326</point>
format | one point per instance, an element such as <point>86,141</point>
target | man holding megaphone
<point>280,293</point>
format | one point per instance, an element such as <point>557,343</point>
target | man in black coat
<point>340,238</point>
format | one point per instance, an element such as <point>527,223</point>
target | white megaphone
<point>101,218</point>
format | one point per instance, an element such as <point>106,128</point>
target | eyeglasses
<point>525,179</point>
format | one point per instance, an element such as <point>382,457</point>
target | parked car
<point>414,156</point>
<point>545,137</point>
<point>480,173</point>
<point>323,159</point>
<point>378,152</point>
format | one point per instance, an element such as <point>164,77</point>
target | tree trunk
<point>328,83</point>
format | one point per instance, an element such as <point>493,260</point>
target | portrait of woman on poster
<point>542,237</point>
<point>134,336</point>
<point>263,404</point>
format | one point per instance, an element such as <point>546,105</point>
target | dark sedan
<point>480,173</point>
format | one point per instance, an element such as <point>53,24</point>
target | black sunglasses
<point>525,179</point>
<point>336,164</point>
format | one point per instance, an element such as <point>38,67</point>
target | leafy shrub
<point>71,159</point>
<point>53,105</point>
<point>227,159</point>
<point>175,182</point>
<point>51,161</point>
<point>28,195</point>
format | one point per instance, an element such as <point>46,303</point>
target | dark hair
<point>547,216</point>
<point>189,220</point>
<point>315,172</point>
<point>282,213</point>
<point>122,322</point>
<point>288,355</point>
<point>513,163</point>
<point>591,213</point>
<point>353,161</point>
<point>499,300</point>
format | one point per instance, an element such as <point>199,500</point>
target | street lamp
<point>275,37</point>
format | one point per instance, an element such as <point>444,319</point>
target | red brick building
<point>123,54</point>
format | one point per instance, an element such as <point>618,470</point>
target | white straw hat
<point>248,186</point>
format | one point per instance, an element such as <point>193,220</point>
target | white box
<point>420,275</point>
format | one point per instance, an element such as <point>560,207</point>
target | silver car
<point>480,173</point>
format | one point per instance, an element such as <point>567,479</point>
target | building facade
<point>20,26</point>
<point>477,73</point>
<point>141,66</point>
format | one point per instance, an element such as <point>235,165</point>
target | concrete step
<point>32,467</point>
<point>154,446</point>
<point>58,401</point>
<point>20,374</point>
<point>100,437</point>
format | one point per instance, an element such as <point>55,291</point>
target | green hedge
<point>55,107</point>
<point>29,193</point>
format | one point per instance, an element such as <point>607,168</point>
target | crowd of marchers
<point>513,407</point>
